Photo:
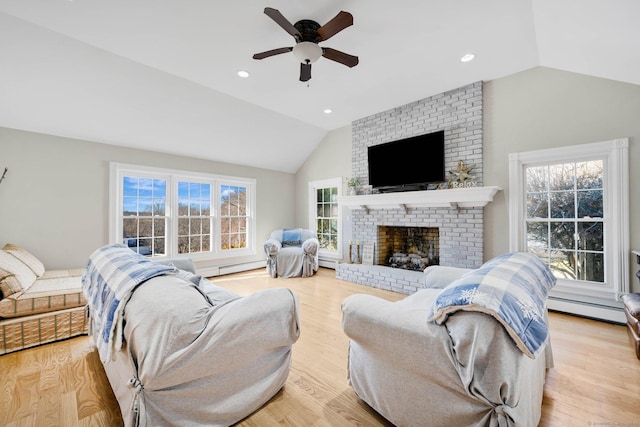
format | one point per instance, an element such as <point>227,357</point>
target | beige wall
<point>542,108</point>
<point>54,200</point>
<point>331,159</point>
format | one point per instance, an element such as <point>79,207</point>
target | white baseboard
<point>229,269</point>
<point>326,263</point>
<point>601,312</point>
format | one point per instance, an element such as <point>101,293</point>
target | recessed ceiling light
<point>468,57</point>
<point>244,74</point>
<point>328,111</point>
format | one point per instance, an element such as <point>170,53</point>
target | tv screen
<point>407,164</point>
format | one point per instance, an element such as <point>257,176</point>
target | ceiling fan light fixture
<point>307,51</point>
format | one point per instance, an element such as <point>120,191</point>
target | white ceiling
<point>161,74</point>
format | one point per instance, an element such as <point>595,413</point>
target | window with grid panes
<point>569,206</point>
<point>143,214</point>
<point>564,220</point>
<point>163,212</point>
<point>194,217</point>
<point>327,217</point>
<point>233,217</point>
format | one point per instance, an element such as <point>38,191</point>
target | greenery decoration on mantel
<point>353,182</point>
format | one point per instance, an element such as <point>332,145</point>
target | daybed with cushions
<point>180,351</point>
<point>292,253</point>
<point>448,357</point>
<point>37,306</point>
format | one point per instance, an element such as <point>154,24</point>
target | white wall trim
<point>326,183</point>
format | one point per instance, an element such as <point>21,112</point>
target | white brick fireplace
<point>457,213</point>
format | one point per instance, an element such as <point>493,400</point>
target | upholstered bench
<point>37,306</point>
<point>632,312</point>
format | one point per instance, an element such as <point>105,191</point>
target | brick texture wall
<point>457,112</point>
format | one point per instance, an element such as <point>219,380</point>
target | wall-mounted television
<point>408,164</point>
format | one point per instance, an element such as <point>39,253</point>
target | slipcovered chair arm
<point>311,246</point>
<point>272,247</point>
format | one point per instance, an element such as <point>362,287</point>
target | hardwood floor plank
<point>25,396</point>
<point>596,378</point>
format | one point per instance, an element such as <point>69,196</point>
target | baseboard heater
<point>590,310</point>
<point>229,269</point>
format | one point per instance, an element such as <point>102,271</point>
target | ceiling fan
<point>308,34</point>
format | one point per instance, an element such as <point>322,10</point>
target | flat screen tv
<point>408,164</point>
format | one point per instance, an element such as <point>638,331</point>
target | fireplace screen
<point>410,248</point>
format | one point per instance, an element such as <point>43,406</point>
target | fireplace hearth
<point>409,248</point>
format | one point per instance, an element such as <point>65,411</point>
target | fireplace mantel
<point>471,197</point>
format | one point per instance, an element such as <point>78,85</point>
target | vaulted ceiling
<point>161,74</point>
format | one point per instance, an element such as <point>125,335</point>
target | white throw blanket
<point>112,273</point>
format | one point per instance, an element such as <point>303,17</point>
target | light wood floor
<point>596,379</point>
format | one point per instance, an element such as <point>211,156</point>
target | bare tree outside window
<point>233,217</point>
<point>143,215</point>
<point>194,217</point>
<point>564,218</point>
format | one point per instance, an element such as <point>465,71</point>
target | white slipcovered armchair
<point>292,253</point>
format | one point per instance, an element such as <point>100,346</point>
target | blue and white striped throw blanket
<point>513,289</point>
<point>112,274</point>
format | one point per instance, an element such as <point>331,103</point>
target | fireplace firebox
<point>409,248</point>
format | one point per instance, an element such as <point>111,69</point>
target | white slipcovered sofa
<point>462,368</point>
<point>191,353</point>
<point>292,253</point>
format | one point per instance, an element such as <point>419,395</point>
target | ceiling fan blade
<point>341,57</point>
<point>339,22</point>
<point>272,52</point>
<point>283,22</point>
<point>305,72</point>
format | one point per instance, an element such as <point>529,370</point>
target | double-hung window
<point>324,216</point>
<point>195,216</point>
<point>143,213</point>
<point>159,212</point>
<point>569,206</point>
<point>234,219</point>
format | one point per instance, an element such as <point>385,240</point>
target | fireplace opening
<point>409,248</point>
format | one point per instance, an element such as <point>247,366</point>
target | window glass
<point>327,218</point>
<point>194,222</point>
<point>233,217</point>
<point>564,225</point>
<point>143,214</point>
<point>158,212</point>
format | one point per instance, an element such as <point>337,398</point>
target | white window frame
<point>251,222</point>
<point>313,187</point>
<point>118,170</point>
<point>615,156</point>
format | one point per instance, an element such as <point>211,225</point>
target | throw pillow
<point>8,284</point>
<point>291,237</point>
<point>11,265</point>
<point>26,257</point>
